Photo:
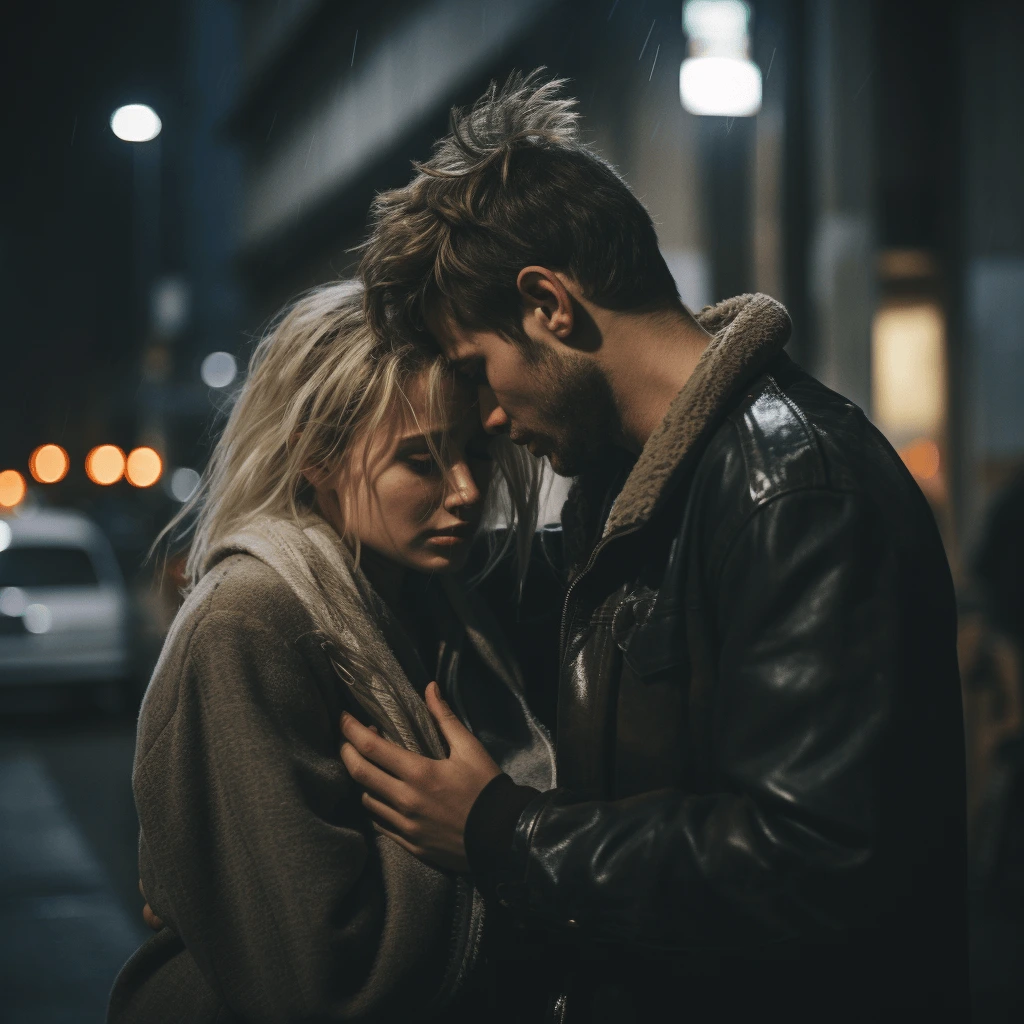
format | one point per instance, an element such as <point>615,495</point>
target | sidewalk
<point>63,933</point>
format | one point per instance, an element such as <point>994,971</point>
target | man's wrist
<point>491,828</point>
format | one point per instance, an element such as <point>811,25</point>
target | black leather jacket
<point>760,800</point>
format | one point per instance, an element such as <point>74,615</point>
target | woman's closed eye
<point>422,463</point>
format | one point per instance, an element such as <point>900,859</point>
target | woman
<point>340,499</point>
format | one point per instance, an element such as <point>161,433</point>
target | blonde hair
<point>318,380</point>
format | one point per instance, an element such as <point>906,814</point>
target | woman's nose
<point>462,487</point>
<point>492,416</point>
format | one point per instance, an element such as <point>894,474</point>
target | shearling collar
<point>748,331</point>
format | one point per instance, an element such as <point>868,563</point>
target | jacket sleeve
<point>254,846</point>
<point>783,843</point>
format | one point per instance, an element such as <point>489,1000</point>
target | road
<point>69,907</point>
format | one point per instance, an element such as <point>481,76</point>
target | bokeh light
<point>38,618</point>
<point>922,458</point>
<point>13,601</point>
<point>12,488</point>
<point>143,467</point>
<point>135,123</point>
<point>104,465</point>
<point>183,484</point>
<point>219,369</point>
<point>49,464</point>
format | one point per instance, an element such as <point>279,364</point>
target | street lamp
<point>718,78</point>
<point>139,125</point>
<point>135,122</point>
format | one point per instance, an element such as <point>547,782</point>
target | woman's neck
<point>386,576</point>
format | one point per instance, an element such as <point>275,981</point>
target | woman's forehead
<point>443,403</point>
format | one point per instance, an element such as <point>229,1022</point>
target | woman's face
<point>395,498</point>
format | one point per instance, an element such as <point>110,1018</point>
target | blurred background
<point>174,172</point>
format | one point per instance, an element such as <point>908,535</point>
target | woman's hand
<point>148,916</point>
<point>421,803</point>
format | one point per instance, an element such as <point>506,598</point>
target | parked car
<point>64,608</point>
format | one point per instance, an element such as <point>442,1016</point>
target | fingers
<point>387,816</point>
<point>374,747</point>
<point>402,841</point>
<point>151,919</point>
<point>447,720</point>
<point>379,783</point>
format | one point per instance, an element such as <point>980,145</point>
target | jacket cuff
<point>491,828</point>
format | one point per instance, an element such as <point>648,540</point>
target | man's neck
<point>648,358</point>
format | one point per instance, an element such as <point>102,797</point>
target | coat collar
<point>747,331</point>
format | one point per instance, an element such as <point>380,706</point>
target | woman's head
<point>413,488</point>
<point>377,437</point>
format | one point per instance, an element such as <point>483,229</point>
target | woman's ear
<point>316,476</point>
<point>546,300</point>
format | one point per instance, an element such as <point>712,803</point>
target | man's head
<point>498,249</point>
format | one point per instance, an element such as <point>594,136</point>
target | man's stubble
<point>579,413</point>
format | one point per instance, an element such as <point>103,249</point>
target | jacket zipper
<point>601,545</point>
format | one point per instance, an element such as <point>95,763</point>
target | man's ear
<point>547,300</point>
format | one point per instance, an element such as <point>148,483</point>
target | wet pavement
<point>69,909</point>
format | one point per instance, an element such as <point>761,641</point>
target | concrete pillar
<point>842,253</point>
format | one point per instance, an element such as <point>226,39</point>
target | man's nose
<point>462,488</point>
<point>492,416</point>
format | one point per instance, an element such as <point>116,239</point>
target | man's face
<point>550,399</point>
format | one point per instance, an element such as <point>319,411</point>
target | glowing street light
<point>49,464</point>
<point>719,78</point>
<point>104,465</point>
<point>143,467</point>
<point>135,123</point>
<point>12,488</point>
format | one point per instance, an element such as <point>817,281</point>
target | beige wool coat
<point>281,901</point>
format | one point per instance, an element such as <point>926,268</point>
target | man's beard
<point>579,415</point>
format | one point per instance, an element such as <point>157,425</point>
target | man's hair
<point>510,186</point>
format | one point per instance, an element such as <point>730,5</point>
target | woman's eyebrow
<point>420,439</point>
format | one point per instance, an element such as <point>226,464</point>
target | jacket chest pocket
<point>652,750</point>
<point>651,633</point>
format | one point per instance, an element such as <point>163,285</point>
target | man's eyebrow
<point>467,365</point>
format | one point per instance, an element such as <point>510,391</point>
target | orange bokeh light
<point>49,464</point>
<point>922,458</point>
<point>143,468</point>
<point>12,488</point>
<point>104,465</point>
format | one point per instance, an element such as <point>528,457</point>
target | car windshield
<point>46,567</point>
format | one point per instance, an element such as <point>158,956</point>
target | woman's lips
<point>447,540</point>
<point>451,537</point>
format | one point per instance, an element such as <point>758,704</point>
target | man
<point>760,759</point>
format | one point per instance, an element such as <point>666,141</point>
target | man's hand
<point>421,803</point>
